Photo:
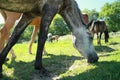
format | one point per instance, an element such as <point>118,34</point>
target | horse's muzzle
<point>92,59</point>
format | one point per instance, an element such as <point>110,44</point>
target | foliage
<point>26,35</point>
<point>111,14</point>
<point>58,26</point>
<point>93,14</point>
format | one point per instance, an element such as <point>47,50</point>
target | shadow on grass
<point>22,70</point>
<point>103,49</point>
<point>59,64</point>
<point>56,64</point>
<point>103,71</point>
<point>114,43</point>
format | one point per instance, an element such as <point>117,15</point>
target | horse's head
<point>82,39</point>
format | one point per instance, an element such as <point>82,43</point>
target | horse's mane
<point>80,13</point>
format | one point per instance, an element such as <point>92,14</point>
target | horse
<point>54,37</point>
<point>10,18</point>
<point>47,9</point>
<point>99,27</point>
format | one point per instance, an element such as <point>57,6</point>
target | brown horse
<point>54,37</point>
<point>99,27</point>
<point>10,19</point>
<point>47,9</point>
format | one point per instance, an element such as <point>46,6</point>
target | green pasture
<point>64,62</point>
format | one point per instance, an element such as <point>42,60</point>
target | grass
<point>65,63</point>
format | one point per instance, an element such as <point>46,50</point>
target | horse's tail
<point>106,33</point>
<point>90,23</point>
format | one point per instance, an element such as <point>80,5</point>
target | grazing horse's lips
<point>92,58</point>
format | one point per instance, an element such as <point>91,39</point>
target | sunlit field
<point>64,62</point>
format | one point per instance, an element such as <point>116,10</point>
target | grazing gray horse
<point>47,9</point>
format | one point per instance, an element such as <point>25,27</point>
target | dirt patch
<point>37,76</point>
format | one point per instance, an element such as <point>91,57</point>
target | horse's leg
<point>35,30</point>
<point>33,37</point>
<point>10,18</point>
<point>1,43</point>
<point>3,33</point>
<point>100,38</point>
<point>49,13</point>
<point>106,35</point>
<point>26,19</point>
<point>3,14</point>
<point>11,51</point>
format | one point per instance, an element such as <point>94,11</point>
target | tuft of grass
<point>64,62</point>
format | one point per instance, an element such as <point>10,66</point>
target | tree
<point>111,14</point>
<point>58,26</point>
<point>93,14</point>
<point>26,35</point>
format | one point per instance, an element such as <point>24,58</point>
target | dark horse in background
<point>47,9</point>
<point>99,27</point>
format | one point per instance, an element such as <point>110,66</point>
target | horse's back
<point>102,25</point>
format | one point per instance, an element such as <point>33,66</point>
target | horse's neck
<point>89,24</point>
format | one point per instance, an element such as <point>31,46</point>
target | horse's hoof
<point>44,72</point>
